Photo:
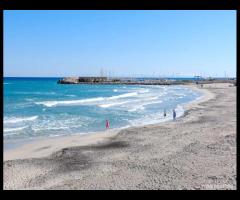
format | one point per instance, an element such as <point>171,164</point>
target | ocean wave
<point>157,117</point>
<point>130,94</point>
<point>144,91</point>
<point>19,119</point>
<point>132,103</point>
<point>14,129</point>
<point>38,93</point>
<point>113,104</point>
<point>179,94</point>
<point>71,95</point>
<point>154,98</point>
<point>142,106</point>
<point>30,100</point>
<point>50,128</point>
<point>179,111</point>
<point>55,128</point>
<point>85,101</point>
<point>68,103</point>
<point>150,119</point>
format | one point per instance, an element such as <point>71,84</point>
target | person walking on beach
<point>164,113</point>
<point>107,124</point>
<point>174,114</point>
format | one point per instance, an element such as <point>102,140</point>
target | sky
<point>119,43</point>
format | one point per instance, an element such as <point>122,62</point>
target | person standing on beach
<point>164,113</point>
<point>174,114</point>
<point>107,124</point>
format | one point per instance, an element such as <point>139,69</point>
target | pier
<point>145,81</point>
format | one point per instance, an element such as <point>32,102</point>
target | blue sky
<point>122,43</point>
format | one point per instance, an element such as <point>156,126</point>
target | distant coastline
<point>167,77</point>
<point>143,81</point>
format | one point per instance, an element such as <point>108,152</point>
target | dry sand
<point>197,151</point>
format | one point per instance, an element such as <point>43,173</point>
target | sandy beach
<point>197,151</point>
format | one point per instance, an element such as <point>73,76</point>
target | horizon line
<point>120,76</point>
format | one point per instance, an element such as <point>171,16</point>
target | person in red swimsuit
<point>107,124</point>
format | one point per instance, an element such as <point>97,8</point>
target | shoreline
<point>30,149</point>
<point>46,146</point>
<point>197,151</point>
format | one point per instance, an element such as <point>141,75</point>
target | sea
<point>37,108</point>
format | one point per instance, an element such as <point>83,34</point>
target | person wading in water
<point>107,124</point>
<point>174,114</point>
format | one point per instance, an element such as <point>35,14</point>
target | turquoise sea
<point>39,107</point>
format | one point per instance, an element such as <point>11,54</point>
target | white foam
<point>14,129</point>
<point>179,111</point>
<point>157,117</point>
<point>113,104</point>
<point>141,107</point>
<point>57,135</point>
<point>179,94</point>
<point>19,119</point>
<point>68,103</point>
<point>50,128</point>
<point>71,95</point>
<point>124,95</point>
<point>144,91</point>
<point>140,101</point>
<point>85,101</point>
<point>115,90</point>
<point>59,125</point>
<point>154,98</point>
<point>150,119</point>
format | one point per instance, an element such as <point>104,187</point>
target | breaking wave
<point>85,101</point>
<point>14,129</point>
<point>19,119</point>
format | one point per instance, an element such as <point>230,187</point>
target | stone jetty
<point>145,81</point>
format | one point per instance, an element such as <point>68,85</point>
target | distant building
<point>92,79</point>
<point>198,78</point>
<point>76,80</point>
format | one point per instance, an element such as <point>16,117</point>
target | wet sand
<point>197,151</point>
